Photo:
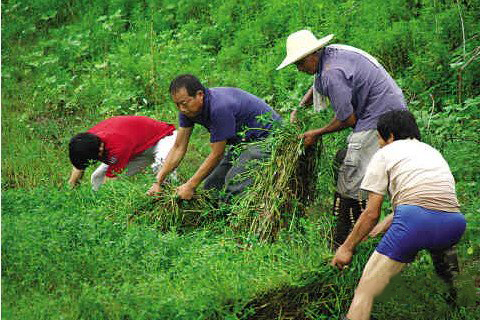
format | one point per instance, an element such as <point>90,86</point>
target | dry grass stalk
<point>282,187</point>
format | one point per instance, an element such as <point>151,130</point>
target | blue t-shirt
<point>354,84</point>
<point>227,112</point>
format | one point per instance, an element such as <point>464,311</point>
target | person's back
<point>418,175</point>
<point>137,132</point>
<point>371,90</point>
<point>122,142</point>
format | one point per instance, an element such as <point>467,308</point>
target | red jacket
<point>127,136</point>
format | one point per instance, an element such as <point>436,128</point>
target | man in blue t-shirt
<point>231,116</point>
<point>359,90</point>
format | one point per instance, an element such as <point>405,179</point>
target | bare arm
<point>75,177</point>
<point>174,158</point>
<point>368,219</point>
<point>307,100</point>
<point>334,126</point>
<point>186,190</point>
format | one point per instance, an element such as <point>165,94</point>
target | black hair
<point>83,148</point>
<point>187,81</point>
<point>400,123</point>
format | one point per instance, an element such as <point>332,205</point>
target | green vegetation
<point>75,254</point>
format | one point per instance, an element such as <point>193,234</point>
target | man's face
<point>187,105</point>
<point>308,64</point>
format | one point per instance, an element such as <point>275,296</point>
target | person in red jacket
<point>124,144</point>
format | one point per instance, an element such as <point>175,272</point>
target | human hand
<point>185,191</point>
<point>72,185</point>
<point>309,138</point>
<point>154,189</point>
<point>342,257</point>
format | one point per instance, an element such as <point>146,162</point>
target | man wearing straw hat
<point>232,116</point>
<point>359,90</point>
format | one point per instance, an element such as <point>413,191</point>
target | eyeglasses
<point>185,102</point>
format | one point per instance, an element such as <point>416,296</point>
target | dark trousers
<point>229,173</point>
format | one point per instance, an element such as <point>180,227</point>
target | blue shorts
<point>415,228</point>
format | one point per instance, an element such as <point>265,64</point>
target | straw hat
<point>300,44</point>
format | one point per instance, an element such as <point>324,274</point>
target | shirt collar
<point>204,115</point>
<point>206,101</point>
<point>321,55</point>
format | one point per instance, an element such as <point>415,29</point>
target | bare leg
<point>376,275</point>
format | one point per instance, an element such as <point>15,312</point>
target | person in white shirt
<point>426,211</point>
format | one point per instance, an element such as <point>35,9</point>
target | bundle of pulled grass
<point>167,211</point>
<point>282,186</point>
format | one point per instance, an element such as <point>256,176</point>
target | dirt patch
<point>289,302</point>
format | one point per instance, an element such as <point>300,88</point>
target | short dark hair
<point>187,81</point>
<point>400,123</point>
<point>83,148</point>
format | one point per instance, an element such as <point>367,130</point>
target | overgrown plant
<point>282,186</point>
<point>167,212</point>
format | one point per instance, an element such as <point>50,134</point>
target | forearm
<point>387,222</point>
<point>334,126</point>
<point>307,99</point>
<point>337,125</point>
<point>205,169</point>
<point>174,158</point>
<point>362,228</point>
<point>75,177</point>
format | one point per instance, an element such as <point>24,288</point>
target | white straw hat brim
<point>297,53</point>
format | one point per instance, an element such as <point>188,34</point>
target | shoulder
<point>184,121</point>
<point>222,94</point>
<point>378,157</point>
<point>224,98</point>
<point>410,150</point>
<point>333,75</point>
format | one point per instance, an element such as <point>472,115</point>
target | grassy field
<point>116,254</point>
